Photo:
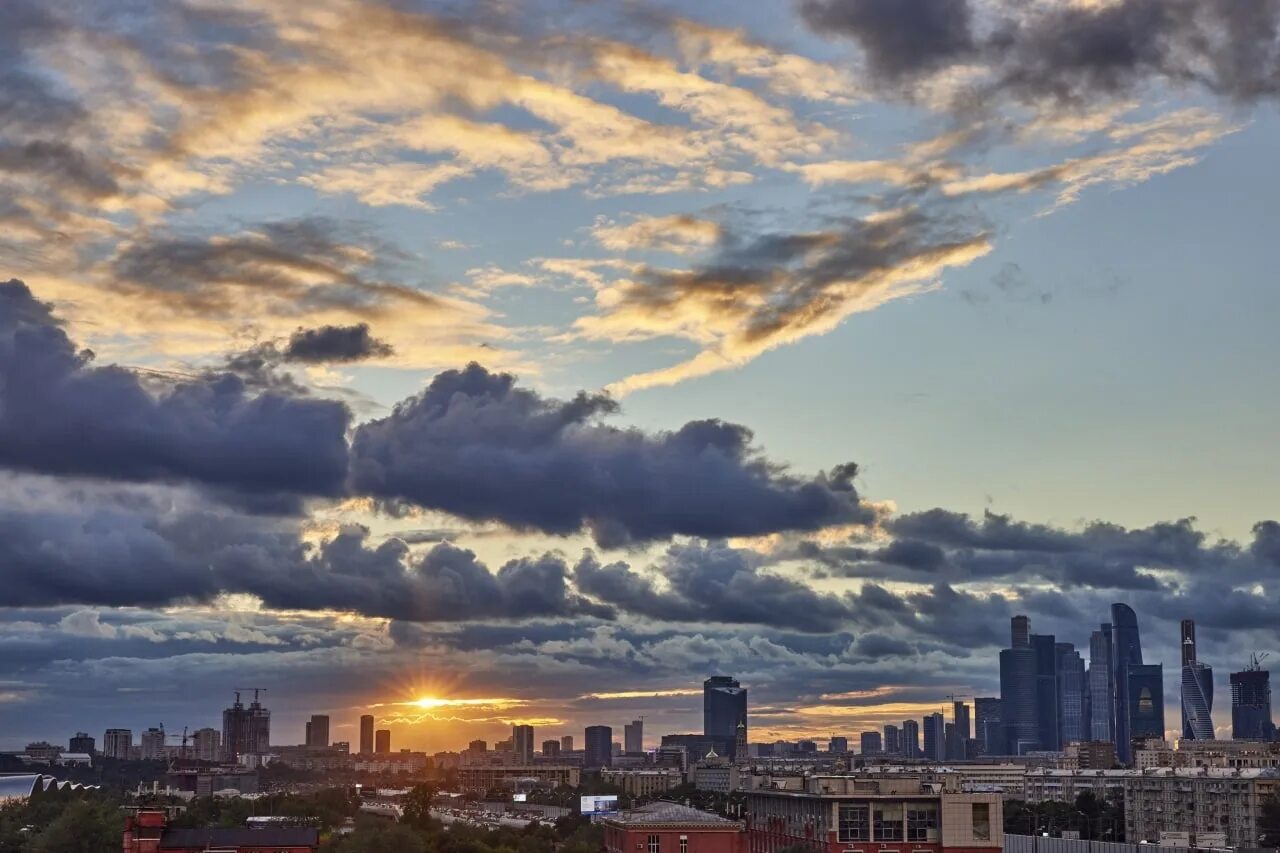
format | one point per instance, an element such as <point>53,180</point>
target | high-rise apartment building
<point>892,739</point>
<point>838,745</point>
<point>598,747</point>
<point>1251,704</point>
<point>318,730</point>
<point>81,742</point>
<point>1071,691</point>
<point>1100,710</point>
<point>522,743</point>
<point>724,706</point>
<point>871,743</point>
<point>153,745</point>
<point>911,739</point>
<point>245,731</point>
<point>1197,689</point>
<point>382,740</point>
<point>207,743</point>
<point>1126,651</point>
<point>1019,709</point>
<point>566,743</point>
<point>117,743</point>
<point>366,734</point>
<point>987,728</point>
<point>633,736</point>
<point>551,748</point>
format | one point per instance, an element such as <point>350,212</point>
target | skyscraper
<point>522,743</point>
<point>366,733</point>
<point>116,743</point>
<point>910,739</point>
<point>1045,647</point>
<point>1071,690</point>
<point>935,737</point>
<point>1126,651</point>
<point>892,740</point>
<point>724,705</point>
<point>1197,689</point>
<point>871,743</point>
<point>208,745</point>
<point>987,728</point>
<point>1250,704</point>
<point>382,740</point>
<point>598,749</point>
<point>633,736</point>
<point>1101,685</point>
<point>551,749</point>
<point>838,745</point>
<point>1019,713</point>
<point>318,730</point>
<point>153,744</point>
<point>566,743</point>
<point>81,742</point>
<point>1145,692</point>
<point>245,731</point>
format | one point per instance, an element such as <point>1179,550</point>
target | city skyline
<point>473,365</point>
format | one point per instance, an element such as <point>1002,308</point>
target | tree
<point>83,827</point>
<point>381,837</point>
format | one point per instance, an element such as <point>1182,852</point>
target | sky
<point>508,361</point>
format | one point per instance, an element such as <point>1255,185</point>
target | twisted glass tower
<point>1197,689</point>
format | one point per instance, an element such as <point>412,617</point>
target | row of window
<point>655,844</point>
<point>884,822</point>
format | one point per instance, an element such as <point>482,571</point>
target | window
<point>655,843</point>
<point>684,844</point>
<point>888,822</point>
<point>981,821</point>
<point>855,822</point>
<point>922,822</point>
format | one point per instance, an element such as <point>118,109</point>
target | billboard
<point>601,804</point>
<point>519,798</point>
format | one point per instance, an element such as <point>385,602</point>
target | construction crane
<point>256,691</point>
<point>1255,660</point>
<point>952,697</point>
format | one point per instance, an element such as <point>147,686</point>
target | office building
<point>986,725</point>
<point>911,739</point>
<point>1145,701</point>
<point>382,740</point>
<point>838,745</point>
<point>1126,651</point>
<point>153,745</point>
<point>366,734</point>
<point>117,743</point>
<point>245,731</point>
<point>892,739</point>
<point>1045,647</point>
<point>647,782</point>
<point>1101,714</point>
<point>871,743</point>
<point>1071,690</point>
<point>957,746</point>
<point>566,743</point>
<point>598,747</point>
<point>724,709</point>
<point>1197,689</point>
<point>318,731</point>
<point>633,736</point>
<point>81,742</point>
<point>1251,704</point>
<point>867,814</point>
<point>207,744</point>
<point>551,748</point>
<point>1019,712</point>
<point>522,743</point>
<point>699,745</point>
<point>935,737</point>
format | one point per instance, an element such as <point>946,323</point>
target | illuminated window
<point>888,821</point>
<point>855,822</point>
<point>981,821</point>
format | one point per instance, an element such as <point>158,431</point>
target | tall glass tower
<point>1197,689</point>
<point>1126,651</point>
<point>724,706</point>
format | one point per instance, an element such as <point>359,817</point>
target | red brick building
<point>147,832</point>
<point>888,814</point>
<point>672,828</point>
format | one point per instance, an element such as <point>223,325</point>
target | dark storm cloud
<point>1070,52</point>
<point>61,415</point>
<point>334,344</point>
<point>476,445</point>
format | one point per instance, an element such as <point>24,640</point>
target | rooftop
<point>671,814</point>
<point>276,836</point>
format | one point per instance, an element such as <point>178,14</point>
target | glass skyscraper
<point>1071,689</point>
<point>724,706</point>
<point>1126,651</point>
<point>1101,685</point>
<point>1018,707</point>
<point>1251,704</point>
<point>1197,689</point>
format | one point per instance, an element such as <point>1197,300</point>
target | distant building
<point>366,733</point>
<point>987,727</point>
<point>245,731</point>
<point>935,737</point>
<point>1126,652</point>
<point>117,743</point>
<point>1197,689</point>
<point>633,736</point>
<point>1019,708</point>
<point>1251,704</point>
<point>911,739</point>
<point>724,706</point>
<point>871,743</point>
<point>1201,802</point>
<point>598,746</point>
<point>318,731</point>
<point>646,782</point>
<point>147,831</point>
<point>550,748</point>
<point>838,745</point>
<point>566,743</point>
<point>522,743</point>
<point>485,777</point>
<point>1071,692</point>
<point>153,745</point>
<point>664,827</point>
<point>42,752</point>
<point>81,742</point>
<point>1049,736</point>
<point>382,740</point>
<point>699,745</point>
<point>1145,703</point>
<point>207,744</point>
<point>478,746</point>
<point>1091,755</point>
<point>1100,711</point>
<point>892,739</point>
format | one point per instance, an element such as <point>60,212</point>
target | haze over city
<point>475,365</point>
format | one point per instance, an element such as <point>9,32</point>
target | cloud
<point>61,415</point>
<point>476,445</point>
<point>899,39</point>
<point>678,233</point>
<point>334,344</point>
<point>761,291</point>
